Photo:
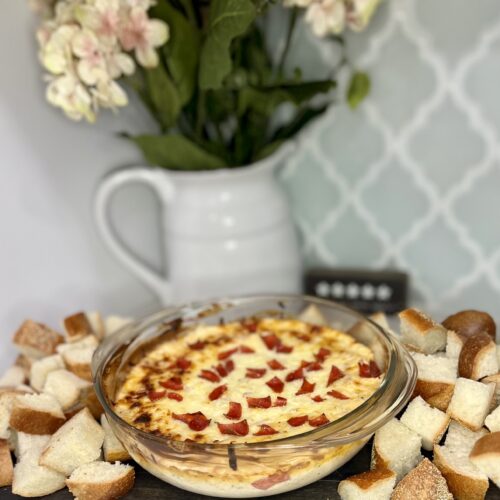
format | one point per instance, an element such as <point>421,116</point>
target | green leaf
<point>176,152</point>
<point>359,88</point>
<point>182,49</point>
<point>268,150</point>
<point>228,19</point>
<point>164,96</point>
<point>303,118</point>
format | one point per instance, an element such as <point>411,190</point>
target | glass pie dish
<point>248,470</point>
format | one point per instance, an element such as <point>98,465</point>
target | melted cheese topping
<point>143,401</point>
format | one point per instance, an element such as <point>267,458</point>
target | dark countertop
<point>150,488</point>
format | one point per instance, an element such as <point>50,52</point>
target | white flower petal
<point>146,57</point>
<point>157,32</point>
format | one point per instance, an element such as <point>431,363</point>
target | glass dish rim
<point>307,438</point>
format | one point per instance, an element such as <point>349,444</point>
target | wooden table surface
<point>149,487</point>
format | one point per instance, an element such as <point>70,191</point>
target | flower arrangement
<point>203,68</point>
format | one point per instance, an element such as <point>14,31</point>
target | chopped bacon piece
<point>304,337</point>
<point>318,421</point>
<point>286,349</point>
<point>267,482</point>
<point>318,398</point>
<point>221,370</point>
<point>265,430</point>
<point>217,392</point>
<point>196,421</point>
<point>227,354</point>
<point>255,372</point>
<point>280,401</point>
<point>175,396</point>
<point>369,370</point>
<point>335,374</point>
<point>234,412</point>
<point>276,384</point>
<point>314,367</point>
<point>271,340</point>
<point>337,394</point>
<point>183,363</point>
<point>274,364</point>
<point>251,327</point>
<point>305,388</point>
<point>236,429</point>
<point>322,354</point>
<point>259,402</point>
<point>156,395</point>
<point>229,366</point>
<point>174,383</point>
<point>244,349</point>
<point>198,345</point>
<point>295,375</point>
<point>210,376</point>
<point>297,421</point>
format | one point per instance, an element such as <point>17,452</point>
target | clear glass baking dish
<point>263,468</point>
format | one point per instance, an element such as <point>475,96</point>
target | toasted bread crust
<point>31,421</point>
<point>77,326</point>
<point>6,465</point>
<point>472,351</point>
<point>418,320</point>
<point>366,480</point>
<point>102,491</point>
<point>462,487</point>
<point>38,338</point>
<point>490,443</point>
<point>470,322</point>
<point>437,394</point>
<point>82,370</point>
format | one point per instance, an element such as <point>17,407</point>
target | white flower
<point>298,3</point>
<point>91,65</point>
<point>326,17</point>
<point>56,52</point>
<point>119,64</point>
<point>102,17</point>
<point>360,12</point>
<point>143,35</point>
<point>108,94</point>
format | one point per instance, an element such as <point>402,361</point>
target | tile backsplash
<point>411,179</point>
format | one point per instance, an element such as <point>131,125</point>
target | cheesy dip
<point>247,381</point>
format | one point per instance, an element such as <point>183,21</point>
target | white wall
<point>51,259</point>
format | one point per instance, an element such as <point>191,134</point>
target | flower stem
<point>292,21</point>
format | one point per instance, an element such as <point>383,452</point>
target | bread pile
<point>454,414</point>
<point>49,415</point>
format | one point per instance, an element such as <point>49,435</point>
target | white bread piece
<point>7,397</point>
<point>76,443</point>
<point>114,323</point>
<point>471,402</point>
<point>112,447</point>
<point>454,344</point>
<point>101,481</point>
<point>36,340</point>
<point>88,341</point>
<point>492,421</point>
<point>13,376</point>
<point>381,319</point>
<point>97,323</point>
<point>25,443</point>
<point>312,314</point>
<point>424,482</point>
<point>421,332</point>
<point>436,378</point>
<point>496,380</point>
<point>460,437</point>
<point>36,414</point>
<point>66,387</point>
<point>486,456</point>
<point>372,485</point>
<point>478,357</point>
<point>6,465</point>
<point>79,361</point>
<point>42,367</point>
<point>498,354</point>
<point>77,326</point>
<point>30,478</point>
<point>428,422</point>
<point>397,448</point>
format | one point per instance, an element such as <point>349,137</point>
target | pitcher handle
<point>153,177</point>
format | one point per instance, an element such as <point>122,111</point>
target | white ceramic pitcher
<point>226,232</point>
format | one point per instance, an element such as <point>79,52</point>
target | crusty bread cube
<point>454,344</point>
<point>421,332</point>
<point>101,481</point>
<point>372,485</point>
<point>496,380</point>
<point>42,367</point>
<point>77,326</point>
<point>25,364</point>
<point>436,379</point>
<point>88,341</point>
<point>36,414</point>
<point>7,397</point>
<point>471,402</point>
<point>79,361</point>
<point>396,447</point>
<point>115,323</point>
<point>76,443</point>
<point>6,465</point>
<point>478,357</point>
<point>492,421</point>
<point>30,478</point>
<point>428,422</point>
<point>424,482</point>
<point>113,449</point>
<point>66,387</point>
<point>13,376</point>
<point>36,340</point>
<point>311,314</point>
<point>461,437</point>
<point>97,323</point>
<point>486,456</point>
